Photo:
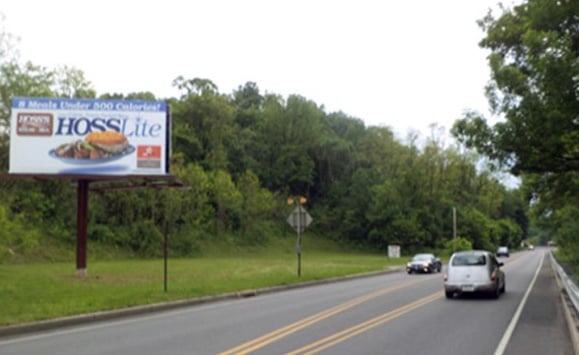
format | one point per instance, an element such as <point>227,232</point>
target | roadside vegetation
<point>37,291</point>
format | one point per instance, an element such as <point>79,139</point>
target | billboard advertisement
<point>89,137</point>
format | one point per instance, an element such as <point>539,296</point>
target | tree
<point>203,123</point>
<point>248,104</point>
<point>227,200</point>
<point>534,85</point>
<point>257,207</point>
<point>287,133</point>
<point>70,82</point>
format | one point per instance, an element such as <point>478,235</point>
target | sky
<point>402,64</point>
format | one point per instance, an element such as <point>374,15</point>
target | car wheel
<point>409,272</point>
<point>448,294</point>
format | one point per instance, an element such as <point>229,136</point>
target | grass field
<point>38,291</point>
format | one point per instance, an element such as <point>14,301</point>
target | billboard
<point>89,137</point>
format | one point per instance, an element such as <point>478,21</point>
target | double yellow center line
<point>346,334</point>
<point>306,322</point>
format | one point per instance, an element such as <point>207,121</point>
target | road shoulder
<point>542,327</point>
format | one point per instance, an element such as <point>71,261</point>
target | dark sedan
<point>424,263</point>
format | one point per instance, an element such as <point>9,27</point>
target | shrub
<point>458,244</point>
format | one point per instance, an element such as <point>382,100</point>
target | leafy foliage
<point>534,49</point>
<point>458,244</point>
<point>241,155</point>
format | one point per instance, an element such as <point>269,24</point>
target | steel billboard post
<point>81,227</point>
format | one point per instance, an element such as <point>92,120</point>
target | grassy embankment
<point>37,291</point>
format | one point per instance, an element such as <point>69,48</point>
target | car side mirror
<point>501,264</point>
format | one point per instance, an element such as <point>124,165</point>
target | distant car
<point>425,262</point>
<point>531,247</point>
<point>474,271</point>
<point>503,251</point>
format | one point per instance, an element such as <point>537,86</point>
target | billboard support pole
<point>81,227</point>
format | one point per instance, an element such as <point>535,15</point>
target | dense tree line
<point>242,154</point>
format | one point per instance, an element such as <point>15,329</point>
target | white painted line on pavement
<point>90,326</point>
<point>511,328</point>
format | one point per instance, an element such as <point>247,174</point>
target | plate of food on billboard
<point>96,147</point>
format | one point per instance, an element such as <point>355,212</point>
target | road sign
<point>394,251</point>
<point>299,219</point>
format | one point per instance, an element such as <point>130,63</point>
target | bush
<point>101,233</point>
<point>15,238</point>
<point>145,239</point>
<point>459,244</point>
<point>259,233</point>
<point>185,243</point>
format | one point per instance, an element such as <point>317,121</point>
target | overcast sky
<point>403,64</point>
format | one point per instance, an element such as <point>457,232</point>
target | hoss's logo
<point>34,124</point>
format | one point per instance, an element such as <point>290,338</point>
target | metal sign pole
<point>299,246</point>
<point>299,219</point>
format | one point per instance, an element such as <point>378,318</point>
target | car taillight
<point>493,276</point>
<point>445,277</point>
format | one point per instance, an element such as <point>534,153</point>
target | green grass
<point>38,291</point>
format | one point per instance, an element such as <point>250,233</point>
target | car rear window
<point>420,257</point>
<point>469,259</point>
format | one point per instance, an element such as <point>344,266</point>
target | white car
<point>503,251</point>
<point>474,271</point>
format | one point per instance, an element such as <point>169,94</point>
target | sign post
<point>299,219</point>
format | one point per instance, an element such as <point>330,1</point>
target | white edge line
<point>511,328</point>
<point>100,325</point>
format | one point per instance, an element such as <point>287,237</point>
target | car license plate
<point>467,288</point>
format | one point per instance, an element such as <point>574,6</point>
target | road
<point>388,314</point>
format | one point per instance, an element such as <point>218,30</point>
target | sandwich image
<point>96,145</point>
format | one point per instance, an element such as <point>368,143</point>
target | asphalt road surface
<point>388,314</point>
